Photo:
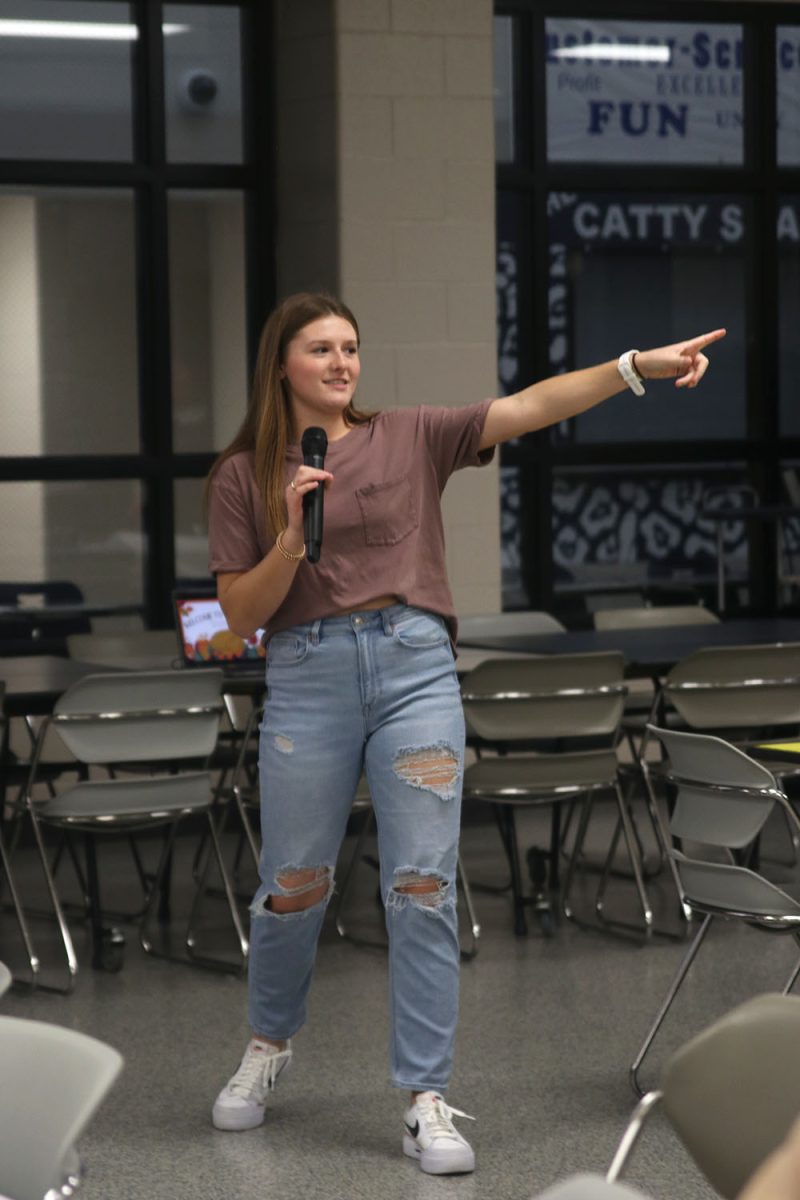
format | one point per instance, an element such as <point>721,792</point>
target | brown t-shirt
<point>383,532</point>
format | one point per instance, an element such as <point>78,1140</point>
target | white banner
<point>644,92</point>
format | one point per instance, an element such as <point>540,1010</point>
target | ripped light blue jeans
<point>377,691</point>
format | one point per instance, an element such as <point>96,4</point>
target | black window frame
<point>151,179</point>
<point>760,179</point>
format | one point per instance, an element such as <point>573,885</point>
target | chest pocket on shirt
<point>388,511</point>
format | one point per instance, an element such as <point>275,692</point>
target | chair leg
<point>33,959</point>
<point>793,977</point>
<point>248,828</point>
<point>108,944</point>
<point>680,975</point>
<point>572,862</point>
<point>630,1137</point>
<point>475,928</point>
<point>191,940</point>
<point>664,839</point>
<point>351,872</point>
<point>624,824</point>
<point>66,937</point>
<point>509,832</point>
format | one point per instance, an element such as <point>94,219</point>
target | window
<point>136,270</point>
<point>655,91</point>
<point>638,192</point>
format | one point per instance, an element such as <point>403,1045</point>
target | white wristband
<point>629,373</point>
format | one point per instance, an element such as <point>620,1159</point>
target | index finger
<point>705,339</point>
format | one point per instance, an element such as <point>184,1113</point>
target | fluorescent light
<point>616,53</point>
<point>88,30</point>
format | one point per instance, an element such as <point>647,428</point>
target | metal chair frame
<point>730,1094</point>
<point>54,1079</point>
<point>512,720</point>
<point>743,893</point>
<point>118,805</point>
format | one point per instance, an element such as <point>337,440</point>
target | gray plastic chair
<point>7,879</point>
<point>722,801</point>
<point>54,1079</point>
<point>740,693</point>
<point>168,720</point>
<point>731,1094</point>
<point>574,701</point>
<point>641,691</point>
<point>236,793</point>
<point>658,617</point>
<point>736,688</point>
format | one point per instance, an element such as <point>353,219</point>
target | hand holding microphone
<point>306,491</point>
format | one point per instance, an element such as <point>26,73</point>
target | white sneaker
<point>432,1138</point>
<point>240,1104</point>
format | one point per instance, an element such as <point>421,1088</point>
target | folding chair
<point>236,761</point>
<point>739,693</point>
<point>6,876</point>
<point>54,1079</point>
<point>165,719</point>
<point>722,801</point>
<point>731,1094</point>
<point>553,725</point>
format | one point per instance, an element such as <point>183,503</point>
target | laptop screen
<point>206,638</point>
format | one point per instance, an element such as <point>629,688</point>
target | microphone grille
<point>314,441</point>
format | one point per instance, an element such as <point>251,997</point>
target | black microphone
<point>314,443</point>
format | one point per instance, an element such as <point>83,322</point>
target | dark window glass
<point>88,531</point>
<point>787,69</point>
<point>630,271</point>
<point>68,322</point>
<point>789,314</point>
<point>191,535</point>
<point>207,318</point>
<point>203,83</point>
<point>644,91</point>
<point>65,79</point>
<point>629,529</point>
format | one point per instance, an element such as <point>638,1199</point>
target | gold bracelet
<point>287,554</point>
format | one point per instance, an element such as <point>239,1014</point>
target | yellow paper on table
<point>782,747</point>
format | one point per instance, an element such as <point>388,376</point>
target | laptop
<point>205,639</point>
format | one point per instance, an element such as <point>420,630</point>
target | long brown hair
<point>267,425</point>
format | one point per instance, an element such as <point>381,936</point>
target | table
<point>28,628</point>
<point>35,681</point>
<point>42,613</point>
<point>752,512</point>
<point>647,651</point>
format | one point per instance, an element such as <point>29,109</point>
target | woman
<point>361,676</point>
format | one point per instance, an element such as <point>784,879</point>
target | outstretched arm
<point>563,396</point>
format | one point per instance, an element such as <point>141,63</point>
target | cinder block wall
<point>386,151</point>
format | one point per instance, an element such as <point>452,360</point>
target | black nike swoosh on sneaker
<point>415,1129</point>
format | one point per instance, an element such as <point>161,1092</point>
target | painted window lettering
<point>644,91</point>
